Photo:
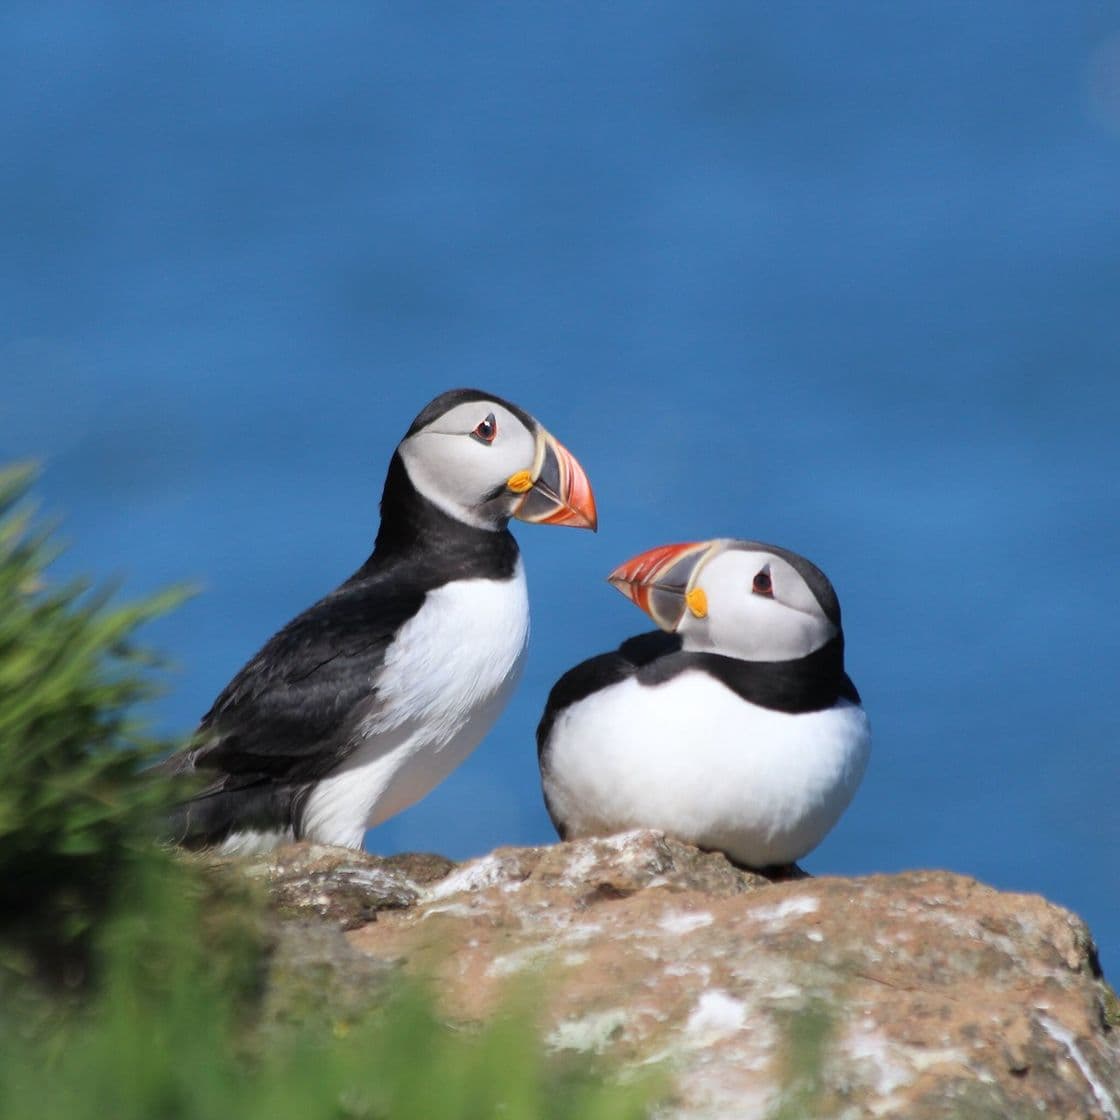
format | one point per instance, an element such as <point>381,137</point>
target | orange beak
<point>557,492</point>
<point>660,581</point>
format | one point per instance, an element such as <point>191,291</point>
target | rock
<point>348,887</point>
<point>315,975</point>
<point>316,893</point>
<point>924,994</point>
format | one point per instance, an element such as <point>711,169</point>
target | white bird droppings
<point>790,908</point>
<point>1062,1036</point>
<point>591,1032</point>
<point>715,1016</point>
<point>476,876</point>
<point>684,922</point>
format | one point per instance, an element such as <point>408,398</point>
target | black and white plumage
<point>365,701</point>
<point>737,729</point>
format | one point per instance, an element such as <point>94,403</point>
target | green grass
<point>132,981</point>
<point>72,814</point>
<point>172,1032</point>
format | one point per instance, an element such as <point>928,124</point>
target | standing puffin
<point>368,699</point>
<point>737,731</point>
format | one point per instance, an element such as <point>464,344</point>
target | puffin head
<point>739,598</point>
<point>483,460</point>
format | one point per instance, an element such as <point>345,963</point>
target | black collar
<point>436,547</point>
<point>807,684</point>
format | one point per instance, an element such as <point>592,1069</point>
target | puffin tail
<point>254,807</point>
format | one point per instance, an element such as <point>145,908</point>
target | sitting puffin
<point>368,699</point>
<point>738,730</point>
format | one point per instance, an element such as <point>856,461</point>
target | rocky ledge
<point>925,994</point>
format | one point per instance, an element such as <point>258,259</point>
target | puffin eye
<point>487,430</point>
<point>762,584</point>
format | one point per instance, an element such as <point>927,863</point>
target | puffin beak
<point>661,581</point>
<point>556,491</point>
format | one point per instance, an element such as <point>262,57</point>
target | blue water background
<point>843,277</point>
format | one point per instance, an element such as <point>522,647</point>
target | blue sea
<point>841,277</point>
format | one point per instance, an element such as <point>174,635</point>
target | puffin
<point>734,726</point>
<point>363,703</point>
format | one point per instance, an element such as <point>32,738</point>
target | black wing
<point>287,718</point>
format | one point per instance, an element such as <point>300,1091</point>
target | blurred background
<point>844,278</point>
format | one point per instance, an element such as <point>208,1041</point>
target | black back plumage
<point>290,716</point>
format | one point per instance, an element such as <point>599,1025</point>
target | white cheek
<point>455,472</point>
<point>758,630</point>
<point>440,471</point>
<point>696,633</point>
<point>774,633</point>
<point>515,449</point>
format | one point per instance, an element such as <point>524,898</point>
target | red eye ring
<point>487,430</point>
<point>763,584</point>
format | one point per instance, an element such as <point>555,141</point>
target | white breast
<point>691,758</point>
<point>445,679</point>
